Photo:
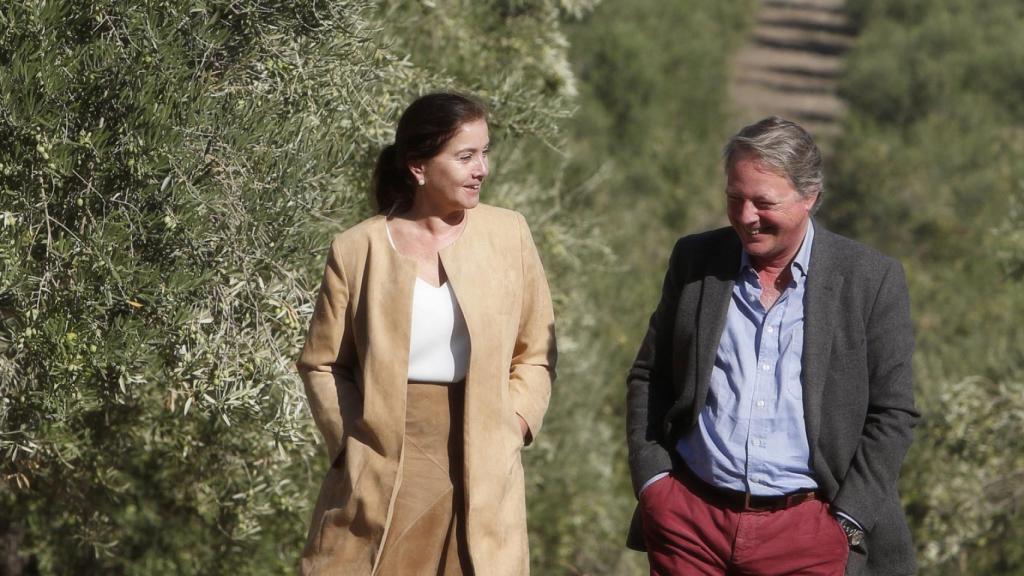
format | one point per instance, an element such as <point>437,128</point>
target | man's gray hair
<point>784,147</point>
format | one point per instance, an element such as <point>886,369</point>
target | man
<point>770,405</point>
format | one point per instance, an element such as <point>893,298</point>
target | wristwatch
<point>854,535</point>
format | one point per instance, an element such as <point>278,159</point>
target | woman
<point>428,364</point>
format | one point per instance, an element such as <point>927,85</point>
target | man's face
<point>766,211</point>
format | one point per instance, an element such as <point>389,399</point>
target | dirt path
<point>791,66</point>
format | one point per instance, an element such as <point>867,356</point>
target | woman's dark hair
<point>423,130</point>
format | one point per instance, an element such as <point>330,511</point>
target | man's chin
<point>759,245</point>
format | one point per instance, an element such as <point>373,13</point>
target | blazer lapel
<point>821,308</point>
<point>716,295</point>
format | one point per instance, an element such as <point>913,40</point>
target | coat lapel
<point>457,260</point>
<point>393,280</point>
<point>821,308</point>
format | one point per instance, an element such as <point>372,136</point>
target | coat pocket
<point>334,508</point>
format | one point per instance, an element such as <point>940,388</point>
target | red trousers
<point>686,533</point>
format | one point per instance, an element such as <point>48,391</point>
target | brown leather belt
<point>740,501</point>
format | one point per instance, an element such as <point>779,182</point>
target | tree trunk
<point>11,562</point>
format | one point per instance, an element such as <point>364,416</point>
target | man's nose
<point>748,213</point>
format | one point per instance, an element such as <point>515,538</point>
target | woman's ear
<point>418,170</point>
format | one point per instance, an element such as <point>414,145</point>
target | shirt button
<point>760,403</point>
<point>766,367</point>
<point>770,329</point>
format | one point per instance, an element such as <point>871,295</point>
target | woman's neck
<point>437,222</point>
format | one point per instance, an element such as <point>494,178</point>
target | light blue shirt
<point>750,436</point>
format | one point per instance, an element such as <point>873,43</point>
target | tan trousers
<point>427,535</point>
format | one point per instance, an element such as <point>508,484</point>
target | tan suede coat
<point>354,367</point>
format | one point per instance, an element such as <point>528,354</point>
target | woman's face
<point>451,180</point>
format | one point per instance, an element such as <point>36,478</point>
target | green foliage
<point>169,176</point>
<point>653,115</point>
<point>976,445</point>
<point>935,60</point>
<point>928,169</point>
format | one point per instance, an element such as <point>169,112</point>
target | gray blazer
<point>857,379</point>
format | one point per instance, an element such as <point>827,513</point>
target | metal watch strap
<point>854,535</point>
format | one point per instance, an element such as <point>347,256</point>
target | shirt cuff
<point>850,518</point>
<point>652,480</point>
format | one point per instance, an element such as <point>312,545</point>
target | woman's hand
<point>524,428</point>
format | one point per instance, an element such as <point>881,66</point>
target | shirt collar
<point>801,262</point>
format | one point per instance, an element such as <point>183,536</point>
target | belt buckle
<point>778,503</point>
<point>769,504</point>
<point>792,499</point>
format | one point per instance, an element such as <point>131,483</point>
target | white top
<point>439,345</point>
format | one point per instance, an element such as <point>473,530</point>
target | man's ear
<point>810,200</point>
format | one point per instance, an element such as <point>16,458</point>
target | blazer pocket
<point>849,365</point>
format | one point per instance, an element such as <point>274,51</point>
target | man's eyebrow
<point>735,194</point>
<point>757,197</point>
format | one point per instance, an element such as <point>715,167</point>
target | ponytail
<point>391,183</point>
